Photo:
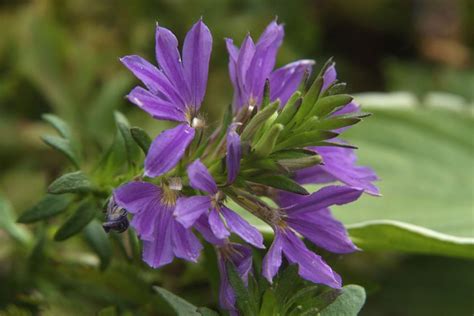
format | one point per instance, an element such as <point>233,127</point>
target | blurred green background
<point>62,57</point>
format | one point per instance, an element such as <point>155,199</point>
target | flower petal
<point>234,154</point>
<point>339,165</point>
<point>233,55</point>
<point>325,197</point>
<point>200,178</point>
<point>167,149</point>
<point>153,78</point>
<point>159,252</point>
<point>155,106</point>
<point>217,226</point>
<point>203,227</point>
<point>285,80</point>
<point>189,209</point>
<point>311,266</point>
<point>136,195</point>
<point>244,59</point>
<point>167,56</point>
<point>185,245</point>
<point>264,59</point>
<point>196,54</point>
<point>242,228</point>
<point>323,230</point>
<point>272,260</point>
<point>329,76</point>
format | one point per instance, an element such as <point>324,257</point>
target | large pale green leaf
<point>349,303</point>
<point>424,157</point>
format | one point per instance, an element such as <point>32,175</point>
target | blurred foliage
<point>61,57</point>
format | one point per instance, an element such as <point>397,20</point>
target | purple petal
<point>189,209</point>
<point>185,245</point>
<point>167,149</point>
<point>339,165</point>
<point>233,154</point>
<point>272,260</point>
<point>203,227</point>
<point>311,266</point>
<point>233,55</point>
<point>217,225</point>
<point>155,106</point>
<point>159,252</point>
<point>351,107</point>
<point>242,228</point>
<point>330,75</point>
<point>323,230</point>
<point>200,178</point>
<point>167,56</point>
<point>327,196</point>
<point>286,80</point>
<point>244,60</point>
<point>154,79</point>
<point>136,195</point>
<point>196,54</point>
<point>264,59</point>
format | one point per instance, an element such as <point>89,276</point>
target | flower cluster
<point>276,137</point>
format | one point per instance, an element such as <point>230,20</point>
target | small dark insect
<point>115,217</point>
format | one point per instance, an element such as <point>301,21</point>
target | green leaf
<point>266,94</point>
<point>309,101</point>
<point>108,311</point>
<point>333,123</point>
<point>49,206</point>
<point>395,235</point>
<point>269,304</point>
<point>84,213</point>
<point>280,182</point>
<point>74,182</point>
<point>204,311</point>
<point>305,139</point>
<point>349,303</point>
<point>258,120</point>
<point>141,138</point>
<point>290,109</point>
<point>98,240</point>
<point>337,88</point>
<point>292,154</point>
<point>60,125</point>
<point>131,149</point>
<point>265,145</point>
<point>245,301</point>
<point>328,104</point>
<point>7,223</point>
<point>62,145</point>
<point>180,306</point>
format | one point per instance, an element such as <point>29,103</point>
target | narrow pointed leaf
<point>61,126</point>
<point>305,139</point>
<point>245,302</point>
<point>74,182</point>
<point>337,88</point>
<point>63,146</point>
<point>258,120</point>
<point>290,109</point>
<point>141,138</point>
<point>334,123</point>
<point>180,306</point>
<point>309,101</point>
<point>328,104</point>
<point>131,149</point>
<point>280,182</point>
<point>49,206</point>
<point>266,144</point>
<point>98,240</point>
<point>76,223</point>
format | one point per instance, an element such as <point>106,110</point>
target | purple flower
<point>175,91</point>
<point>252,64</point>
<point>310,217</point>
<point>163,237</point>
<point>222,220</point>
<point>241,257</point>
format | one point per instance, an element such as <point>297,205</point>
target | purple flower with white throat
<point>241,257</point>
<point>152,208</point>
<point>310,217</point>
<point>174,92</point>
<point>252,64</point>
<point>222,220</point>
